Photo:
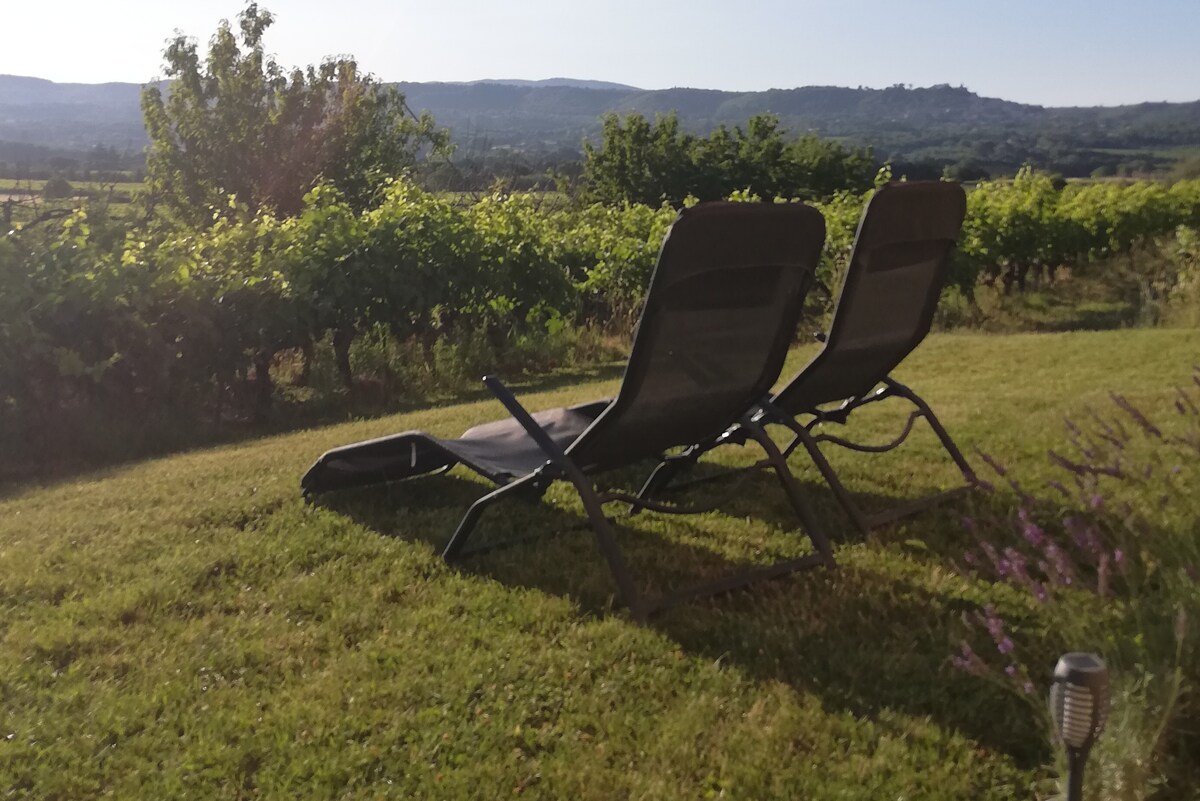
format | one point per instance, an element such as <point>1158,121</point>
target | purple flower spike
<point>995,625</point>
<point>1067,464</point>
<point>1096,501</point>
<point>992,463</point>
<point>1062,567</point>
<point>1058,485</point>
<point>969,662</point>
<point>1005,646</point>
<point>1140,419</point>
<point>1184,400</point>
<point>1034,534</point>
<point>1017,564</point>
<point>1011,670</point>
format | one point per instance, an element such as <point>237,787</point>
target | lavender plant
<point>1103,556</point>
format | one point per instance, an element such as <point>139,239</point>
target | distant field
<point>19,186</point>
<point>28,200</point>
<point>1176,153</point>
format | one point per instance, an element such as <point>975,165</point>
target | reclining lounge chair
<point>720,313</point>
<point>897,269</point>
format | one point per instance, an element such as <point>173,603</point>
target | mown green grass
<point>188,626</point>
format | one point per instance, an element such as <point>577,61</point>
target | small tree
<point>237,124</point>
<point>637,162</point>
<point>57,188</point>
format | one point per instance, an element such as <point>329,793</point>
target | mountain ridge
<point>934,123</point>
<point>576,83</point>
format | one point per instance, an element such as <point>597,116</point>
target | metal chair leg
<point>831,478</point>
<point>791,488</point>
<point>660,478</point>
<point>471,518</point>
<point>861,520</point>
<point>938,429</point>
<point>606,541</point>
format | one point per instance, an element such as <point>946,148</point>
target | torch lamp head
<point>1079,699</point>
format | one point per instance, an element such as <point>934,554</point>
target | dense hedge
<point>95,312</point>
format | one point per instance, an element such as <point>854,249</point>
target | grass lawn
<point>187,626</point>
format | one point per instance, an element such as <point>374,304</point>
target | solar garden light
<point>1079,705</point>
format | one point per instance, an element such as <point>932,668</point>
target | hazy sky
<point>1052,52</point>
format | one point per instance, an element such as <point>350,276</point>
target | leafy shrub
<point>1184,293</point>
<point>130,317</point>
<point>651,164</point>
<point>57,188</point>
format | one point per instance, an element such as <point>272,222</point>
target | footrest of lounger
<point>498,451</point>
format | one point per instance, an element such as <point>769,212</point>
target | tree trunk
<point>307,356</point>
<point>342,337</point>
<point>1022,275</point>
<point>263,388</point>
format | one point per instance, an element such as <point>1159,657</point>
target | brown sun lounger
<point>898,267</point>
<point>719,316</point>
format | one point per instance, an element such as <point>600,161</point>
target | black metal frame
<point>771,414</point>
<point>890,388</point>
<point>560,466</point>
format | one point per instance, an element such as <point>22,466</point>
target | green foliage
<point>654,164</point>
<point>1030,225</point>
<point>123,319</point>
<point>57,188</point>
<point>238,124</point>
<point>103,314</point>
<point>71,317</point>
<point>842,213</point>
<point>1184,287</point>
<point>1187,169</point>
<point>610,253</point>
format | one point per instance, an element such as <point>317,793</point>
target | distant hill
<point>573,83</point>
<point>71,116</point>
<point>934,125</point>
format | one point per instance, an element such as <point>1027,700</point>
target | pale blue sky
<point>1053,52</point>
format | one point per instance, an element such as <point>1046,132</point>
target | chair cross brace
<point>559,465</point>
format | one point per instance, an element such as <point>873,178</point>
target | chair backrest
<point>897,269</point>
<point>720,313</point>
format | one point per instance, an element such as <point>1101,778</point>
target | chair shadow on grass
<point>53,464</point>
<point>859,637</point>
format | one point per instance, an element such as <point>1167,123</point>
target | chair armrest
<point>553,452</point>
